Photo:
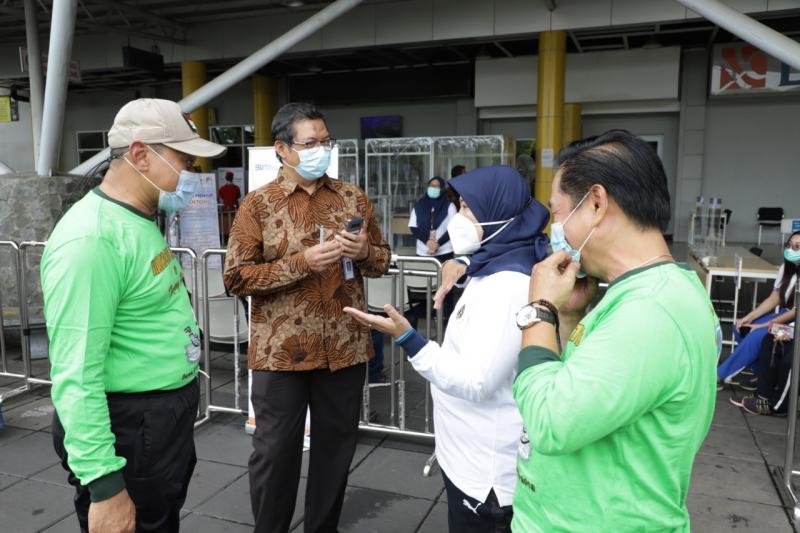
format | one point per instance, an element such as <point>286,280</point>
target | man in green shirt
<point>612,422</point>
<point>124,342</point>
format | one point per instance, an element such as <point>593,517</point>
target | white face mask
<point>464,233</point>
<point>172,201</point>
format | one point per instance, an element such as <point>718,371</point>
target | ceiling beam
<point>141,13</point>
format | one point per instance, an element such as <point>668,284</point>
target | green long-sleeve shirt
<point>613,426</point>
<point>119,320</point>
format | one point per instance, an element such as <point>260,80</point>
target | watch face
<point>526,316</point>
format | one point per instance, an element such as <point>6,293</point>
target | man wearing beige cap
<point>124,343</point>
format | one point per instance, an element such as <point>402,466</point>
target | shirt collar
<point>288,185</point>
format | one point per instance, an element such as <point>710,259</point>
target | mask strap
<point>161,157</point>
<point>586,239</point>
<point>125,157</point>
<point>576,207</point>
<point>493,235</point>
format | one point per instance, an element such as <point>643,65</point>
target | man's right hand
<point>320,256</point>
<point>452,271</point>
<point>117,514</point>
<point>744,321</point>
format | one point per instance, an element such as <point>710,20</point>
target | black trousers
<point>280,401</point>
<point>774,373</point>
<point>468,515</point>
<point>154,432</point>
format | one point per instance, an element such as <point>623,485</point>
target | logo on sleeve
<point>577,335</point>
<point>193,347</point>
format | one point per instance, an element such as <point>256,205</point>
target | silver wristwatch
<point>530,314</point>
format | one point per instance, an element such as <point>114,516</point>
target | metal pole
<point>247,66</point>
<point>35,77</point>
<point>748,29</point>
<point>5,169</point>
<point>788,463</point>
<point>62,30</point>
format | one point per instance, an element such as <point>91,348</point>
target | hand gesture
<point>433,246</point>
<point>394,326</point>
<point>452,271</point>
<point>553,279</point>
<point>117,514</point>
<point>356,247</point>
<point>320,256</point>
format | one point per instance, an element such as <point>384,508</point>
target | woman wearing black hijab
<point>429,219</point>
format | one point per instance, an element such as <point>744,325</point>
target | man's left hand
<point>356,247</point>
<point>553,279</point>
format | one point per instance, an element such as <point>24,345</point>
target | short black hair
<point>457,170</point>
<point>287,116</point>
<point>627,167</point>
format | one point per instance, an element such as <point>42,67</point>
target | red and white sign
<point>741,68</point>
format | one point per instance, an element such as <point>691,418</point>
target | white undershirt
<point>477,422</point>
<point>422,247</point>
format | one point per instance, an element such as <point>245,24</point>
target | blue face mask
<point>176,200</point>
<point>558,239</point>
<point>793,256</point>
<point>434,192</point>
<point>313,162</point>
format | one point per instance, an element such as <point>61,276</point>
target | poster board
<point>264,166</point>
<point>199,222</point>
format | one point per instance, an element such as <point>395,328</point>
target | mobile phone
<point>782,330</point>
<point>353,225</point>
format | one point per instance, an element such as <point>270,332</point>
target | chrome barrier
<point>398,271</point>
<point>206,299</point>
<point>783,474</point>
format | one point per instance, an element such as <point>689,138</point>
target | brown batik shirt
<point>297,322</point>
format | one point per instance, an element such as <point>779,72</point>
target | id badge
<point>347,269</point>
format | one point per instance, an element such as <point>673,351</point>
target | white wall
<point>16,141</point>
<point>665,124</point>
<point>752,159</point>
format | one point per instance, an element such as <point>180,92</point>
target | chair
<point>770,217</point>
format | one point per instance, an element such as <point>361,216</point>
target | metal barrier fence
<point>403,269</point>
<point>784,474</point>
<point>206,321</point>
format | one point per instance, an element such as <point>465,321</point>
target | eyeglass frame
<point>309,145</point>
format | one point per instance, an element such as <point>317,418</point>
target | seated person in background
<point>760,319</point>
<point>774,370</point>
<point>477,424</point>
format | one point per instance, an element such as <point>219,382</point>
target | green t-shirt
<point>612,428</point>
<point>119,320</point>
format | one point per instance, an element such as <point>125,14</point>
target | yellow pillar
<point>549,109</point>
<point>193,76</point>
<point>572,123</point>
<point>265,105</point>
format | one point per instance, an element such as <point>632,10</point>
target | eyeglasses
<point>308,145</point>
<point>794,246</point>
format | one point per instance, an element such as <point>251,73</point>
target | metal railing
<point>209,406</point>
<point>398,272</point>
<point>784,473</point>
<point>19,252</point>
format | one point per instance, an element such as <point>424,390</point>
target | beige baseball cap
<point>156,121</point>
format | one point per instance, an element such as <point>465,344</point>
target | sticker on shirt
<point>577,335</point>
<point>524,448</point>
<point>460,312</point>
<point>193,347</point>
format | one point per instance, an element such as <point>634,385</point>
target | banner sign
<point>741,68</point>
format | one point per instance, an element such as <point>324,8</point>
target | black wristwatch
<point>530,314</point>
